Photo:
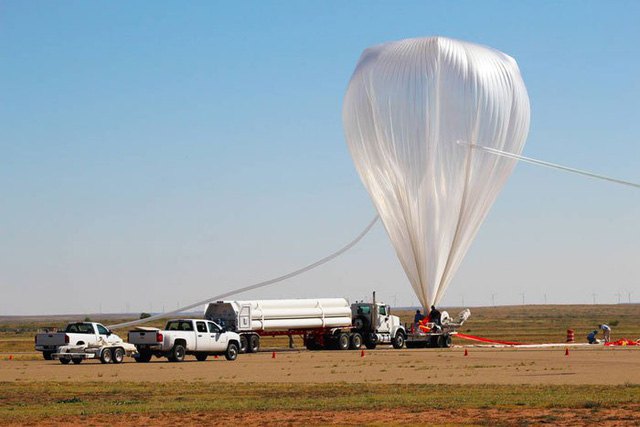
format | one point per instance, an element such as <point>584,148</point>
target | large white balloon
<point>408,106</point>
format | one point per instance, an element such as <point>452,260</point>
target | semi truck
<point>326,323</point>
<point>180,337</point>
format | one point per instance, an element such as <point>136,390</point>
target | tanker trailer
<point>324,323</point>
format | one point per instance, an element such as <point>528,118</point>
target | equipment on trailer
<point>433,335</point>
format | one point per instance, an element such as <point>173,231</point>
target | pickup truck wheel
<point>343,341</point>
<point>244,344</point>
<point>177,354</point>
<point>64,361</point>
<point>47,355</point>
<point>143,357</point>
<point>76,360</point>
<point>254,344</point>
<point>106,356</point>
<point>118,355</point>
<point>201,357</point>
<point>356,341</point>
<point>398,341</point>
<point>232,352</point>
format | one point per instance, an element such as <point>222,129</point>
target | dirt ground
<point>609,417</point>
<point>605,366</point>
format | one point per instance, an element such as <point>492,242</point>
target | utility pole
<point>629,295</point>
<point>522,298</point>
<point>493,299</point>
<point>594,298</point>
<point>619,295</point>
<point>545,299</point>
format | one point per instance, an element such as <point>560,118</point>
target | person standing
<point>606,332</point>
<point>434,315</point>
<point>418,317</point>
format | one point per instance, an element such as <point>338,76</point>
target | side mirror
<point>109,333</point>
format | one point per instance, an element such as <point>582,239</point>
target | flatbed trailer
<point>105,351</point>
<point>435,336</point>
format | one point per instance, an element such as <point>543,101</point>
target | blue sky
<point>156,153</point>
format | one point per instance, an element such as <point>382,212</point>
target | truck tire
<point>65,361</point>
<point>76,360</point>
<point>106,356</point>
<point>244,344</point>
<point>312,345</point>
<point>177,353</point>
<point>232,352</point>
<point>143,357</point>
<point>201,357</point>
<point>356,341</point>
<point>398,341</point>
<point>118,354</point>
<point>254,344</point>
<point>370,345</point>
<point>47,355</point>
<point>343,342</point>
<point>444,341</point>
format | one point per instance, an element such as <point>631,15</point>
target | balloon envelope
<point>408,106</point>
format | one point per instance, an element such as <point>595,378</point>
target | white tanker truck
<point>327,323</point>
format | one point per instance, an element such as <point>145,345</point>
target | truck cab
<point>377,325</point>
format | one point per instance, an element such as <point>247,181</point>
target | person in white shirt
<point>606,331</point>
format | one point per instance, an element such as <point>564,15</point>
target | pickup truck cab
<point>78,333</point>
<point>180,337</point>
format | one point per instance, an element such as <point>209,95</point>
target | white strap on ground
<point>311,266</point>
<point>548,164</point>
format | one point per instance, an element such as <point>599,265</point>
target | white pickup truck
<point>180,337</point>
<point>78,333</point>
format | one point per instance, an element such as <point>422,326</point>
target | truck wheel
<point>254,344</point>
<point>312,345</point>
<point>143,357</point>
<point>64,361</point>
<point>398,341</point>
<point>177,353</point>
<point>47,355</point>
<point>76,360</point>
<point>106,356</point>
<point>356,341</point>
<point>201,357</point>
<point>244,344</point>
<point>370,345</point>
<point>118,355</point>
<point>232,352</point>
<point>343,341</point>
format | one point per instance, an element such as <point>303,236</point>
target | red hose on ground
<point>473,338</point>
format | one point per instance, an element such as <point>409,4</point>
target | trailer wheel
<point>312,345</point>
<point>398,341</point>
<point>118,355</point>
<point>444,341</point>
<point>254,344</point>
<point>76,360</point>
<point>356,341</point>
<point>370,345</point>
<point>177,353</point>
<point>232,352</point>
<point>343,342</point>
<point>64,361</point>
<point>201,357</point>
<point>244,344</point>
<point>106,356</point>
<point>143,357</point>
<point>47,355</point>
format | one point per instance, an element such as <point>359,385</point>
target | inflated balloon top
<point>411,110</point>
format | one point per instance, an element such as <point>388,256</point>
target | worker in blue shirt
<point>592,338</point>
<point>418,317</point>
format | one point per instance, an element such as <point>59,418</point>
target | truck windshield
<point>80,328</point>
<point>179,325</point>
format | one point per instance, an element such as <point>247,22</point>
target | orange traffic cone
<point>215,357</point>
<point>466,352</point>
<point>362,353</point>
<point>566,351</point>
<point>273,356</point>
<point>11,357</point>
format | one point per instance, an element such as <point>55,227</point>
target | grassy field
<point>36,401</point>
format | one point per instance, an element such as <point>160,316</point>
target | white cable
<point>255,285</point>
<point>548,164</point>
